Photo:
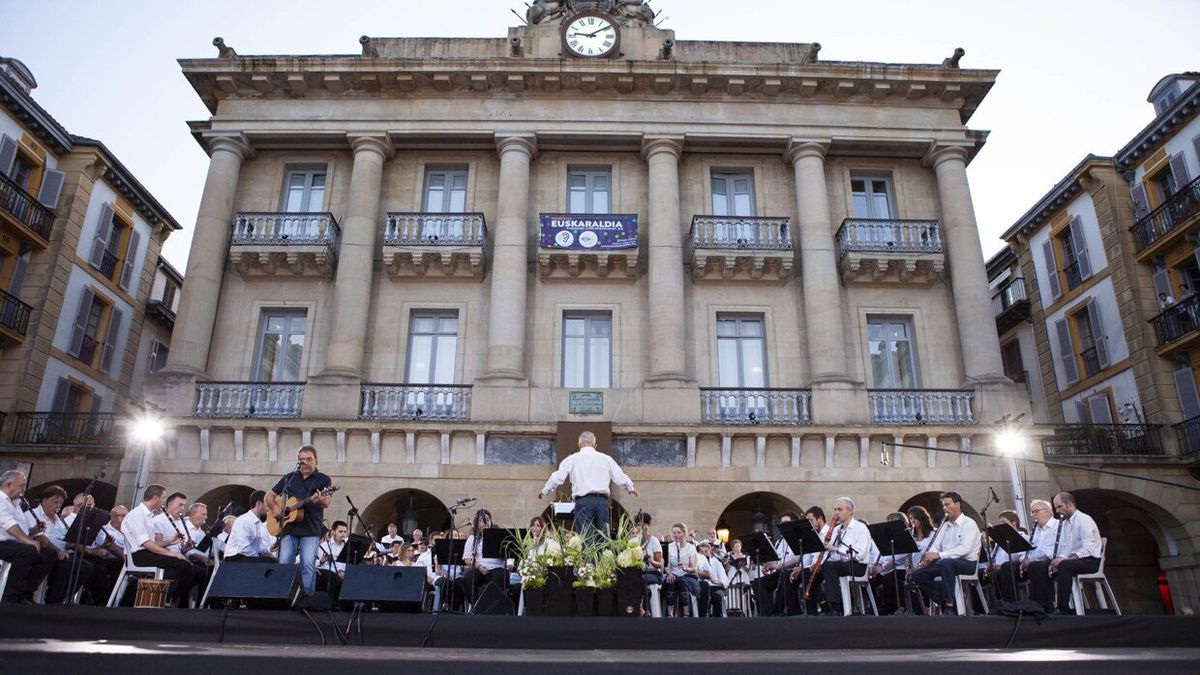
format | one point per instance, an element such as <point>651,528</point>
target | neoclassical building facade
<point>437,261</point>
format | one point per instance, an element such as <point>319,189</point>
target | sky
<point>1074,73</point>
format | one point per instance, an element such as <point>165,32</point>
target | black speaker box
<point>391,589</point>
<point>493,600</point>
<point>259,585</point>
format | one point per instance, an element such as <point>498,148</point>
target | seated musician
<point>330,572</point>
<point>480,570</point>
<point>1045,533</point>
<point>248,539</point>
<point>418,541</point>
<point>220,540</point>
<point>392,536</point>
<point>401,555</point>
<point>849,552</point>
<point>1002,565</point>
<point>652,557</point>
<point>955,551</point>
<point>800,575</point>
<point>713,582</point>
<point>54,534</point>
<point>1078,552</point>
<point>888,574</point>
<point>920,525</point>
<point>146,550</point>
<point>681,583</point>
<point>169,530</point>
<point>436,576</point>
<point>30,562</point>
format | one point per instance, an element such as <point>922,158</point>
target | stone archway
<point>932,501</point>
<point>756,511</point>
<point>408,508</point>
<point>105,494</point>
<point>237,497</point>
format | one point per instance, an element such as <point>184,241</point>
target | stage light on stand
<point>148,429</point>
<point>723,531</point>
<point>1011,443</point>
<point>145,431</point>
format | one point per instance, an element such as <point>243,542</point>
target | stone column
<point>510,263</point>
<point>192,335</point>
<point>824,332</point>
<point>665,278</point>
<point>980,344</point>
<point>356,258</point>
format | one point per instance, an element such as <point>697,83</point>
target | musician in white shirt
<point>888,573</point>
<point>590,472</point>
<point>193,527</point>
<point>60,586</point>
<point>222,539</point>
<point>392,536</point>
<point>147,552</point>
<point>248,540</point>
<point>681,582</point>
<point>848,552</point>
<point>713,580</point>
<point>955,551</point>
<point>1079,552</point>
<point>170,529</point>
<point>779,580</point>
<point>1005,566</point>
<point>480,570</point>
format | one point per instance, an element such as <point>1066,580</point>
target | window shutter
<point>1079,243</point>
<point>52,182</point>
<point>103,230</point>
<point>1179,171</point>
<point>1081,412</point>
<point>61,391</point>
<point>1162,282</point>
<point>1189,397</point>
<point>1066,352</point>
<point>1051,271</point>
<point>110,341</point>
<point>1098,334</point>
<point>8,151</point>
<point>131,255</point>
<point>97,403</point>
<point>18,276</point>
<point>81,317</point>
<point>1141,205</point>
<point>1100,410</point>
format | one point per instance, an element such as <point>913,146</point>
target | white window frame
<point>731,177</point>
<point>589,175</point>
<point>893,369</point>
<point>589,343</point>
<point>310,172</point>
<point>869,194</point>
<point>260,341</point>
<point>740,340</point>
<point>437,315</point>
<point>449,173</point>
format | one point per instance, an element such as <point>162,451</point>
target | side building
<point>79,241</point>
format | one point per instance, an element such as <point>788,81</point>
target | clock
<point>591,35</point>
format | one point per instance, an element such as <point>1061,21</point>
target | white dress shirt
<point>138,528</point>
<point>474,551</point>
<point>168,528</point>
<point>426,559</point>
<point>714,568</point>
<point>810,558</point>
<point>1081,539</point>
<point>1043,540</point>
<point>680,556</point>
<point>56,530</point>
<point>590,473</point>
<point>112,534</point>
<point>197,535</point>
<point>11,514</point>
<point>856,536</point>
<point>922,546</point>
<point>248,537</point>
<point>783,551</point>
<point>959,539</point>
<point>389,538</point>
<point>331,550</point>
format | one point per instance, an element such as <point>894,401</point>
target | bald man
<point>590,472</point>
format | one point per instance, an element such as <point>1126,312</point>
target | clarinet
<point>1057,539</point>
<point>816,567</point>
<point>28,508</point>
<point>932,540</point>
<point>187,544</point>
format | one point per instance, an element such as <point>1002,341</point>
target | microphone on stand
<point>995,499</point>
<point>465,500</point>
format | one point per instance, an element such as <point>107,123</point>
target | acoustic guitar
<point>293,512</point>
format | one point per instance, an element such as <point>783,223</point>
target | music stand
<point>1012,542</point>
<point>502,543</point>
<point>803,540</point>
<point>892,536</point>
<point>86,526</point>
<point>354,549</point>
<point>449,552</point>
<point>758,547</point>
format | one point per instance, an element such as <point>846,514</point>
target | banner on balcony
<point>589,233</point>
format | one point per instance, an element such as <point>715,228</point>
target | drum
<point>152,593</point>
<point>741,600</point>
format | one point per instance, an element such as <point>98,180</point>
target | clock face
<point>590,36</point>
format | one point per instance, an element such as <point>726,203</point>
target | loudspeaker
<point>259,585</point>
<point>493,600</point>
<point>392,589</point>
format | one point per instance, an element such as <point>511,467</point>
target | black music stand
<point>86,526</point>
<point>502,543</point>
<point>354,549</point>
<point>449,554</point>
<point>1012,542</point>
<point>759,548</point>
<point>803,540</point>
<point>893,537</point>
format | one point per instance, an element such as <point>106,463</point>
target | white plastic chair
<point>211,578</point>
<point>656,605</point>
<point>5,568</point>
<point>962,597</point>
<point>858,584</point>
<point>1104,591</point>
<point>118,592</point>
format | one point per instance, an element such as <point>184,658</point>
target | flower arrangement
<point>595,560</point>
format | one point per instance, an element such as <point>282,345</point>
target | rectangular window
<point>92,330</point>
<point>1010,356</point>
<point>587,350</point>
<point>741,351</point>
<point>893,354</point>
<point>589,191</point>
<point>280,346</point>
<point>733,193</point>
<point>23,171</point>
<point>158,357</point>
<point>304,191</point>
<point>432,347</point>
<point>1090,340</point>
<point>871,197</point>
<point>445,191</point>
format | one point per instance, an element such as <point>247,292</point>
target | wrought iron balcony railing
<point>741,232</point>
<point>161,311</point>
<point>275,400</point>
<point>49,428</point>
<point>756,406</point>
<point>286,229</point>
<point>911,237</point>
<point>1104,440</point>
<point>1175,211</point>
<point>921,406</point>
<point>25,208</point>
<point>1177,320</point>
<point>1011,294</point>
<point>1188,433</point>
<point>433,402</point>
<point>1074,277</point>
<point>14,314</point>
<point>108,264</point>
<point>435,229</point>
<point>1091,362</point>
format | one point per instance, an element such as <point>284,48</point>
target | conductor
<point>590,473</point>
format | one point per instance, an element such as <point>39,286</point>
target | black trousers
<point>474,582</point>
<point>1040,583</point>
<point>773,600</point>
<point>329,582</point>
<point>833,571</point>
<point>248,558</point>
<point>29,567</point>
<point>711,599</point>
<point>886,594</point>
<point>180,572</point>
<point>60,586</point>
<point>1005,580</point>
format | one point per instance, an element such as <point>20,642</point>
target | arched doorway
<point>104,493</point>
<point>409,509</point>
<point>567,521</point>
<point>932,501</point>
<point>756,512</point>
<point>237,497</point>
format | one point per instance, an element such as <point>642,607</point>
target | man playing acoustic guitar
<point>305,483</point>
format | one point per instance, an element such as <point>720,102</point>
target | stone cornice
<point>378,141</point>
<point>354,76</point>
<point>1066,190</point>
<point>27,111</point>
<point>1158,132</point>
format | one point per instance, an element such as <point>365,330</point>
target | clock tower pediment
<point>590,29</point>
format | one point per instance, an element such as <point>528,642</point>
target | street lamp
<point>147,430</point>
